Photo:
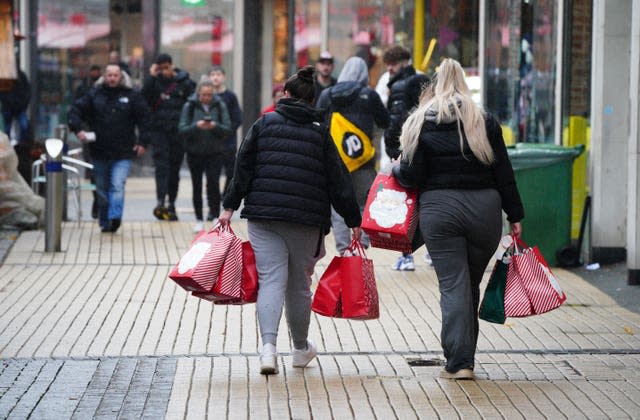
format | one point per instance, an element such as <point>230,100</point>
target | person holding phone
<point>204,126</point>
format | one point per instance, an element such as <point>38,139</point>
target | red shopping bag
<point>238,279</point>
<point>390,214</point>
<point>327,298</point>
<point>347,289</point>
<point>199,267</point>
<point>531,286</point>
<point>249,274</point>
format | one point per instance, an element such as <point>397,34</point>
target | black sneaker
<point>171,214</point>
<point>161,213</point>
<point>113,226</point>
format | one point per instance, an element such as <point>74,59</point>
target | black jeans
<point>211,166</point>
<point>462,229</point>
<point>168,153</point>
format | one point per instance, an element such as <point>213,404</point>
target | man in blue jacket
<point>112,110</point>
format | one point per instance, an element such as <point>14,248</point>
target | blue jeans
<point>111,176</point>
<point>23,124</point>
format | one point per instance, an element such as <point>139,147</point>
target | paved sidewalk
<point>99,331</point>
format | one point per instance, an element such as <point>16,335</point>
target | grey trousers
<point>362,179</point>
<point>461,229</point>
<point>285,259</point>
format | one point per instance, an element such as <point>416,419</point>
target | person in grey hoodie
<point>361,106</point>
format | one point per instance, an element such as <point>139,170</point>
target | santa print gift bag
<point>237,282</point>
<point>347,288</point>
<point>390,214</point>
<point>531,286</point>
<point>199,267</point>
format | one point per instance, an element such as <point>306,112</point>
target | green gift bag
<point>492,306</point>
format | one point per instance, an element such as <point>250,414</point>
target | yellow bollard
<point>578,134</point>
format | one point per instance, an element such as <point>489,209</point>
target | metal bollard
<point>54,198</point>
<point>61,133</point>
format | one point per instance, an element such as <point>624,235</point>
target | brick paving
<point>98,331</point>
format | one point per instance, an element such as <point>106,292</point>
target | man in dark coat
<point>14,106</point>
<point>166,90</point>
<point>112,110</point>
<point>405,87</point>
<point>354,100</point>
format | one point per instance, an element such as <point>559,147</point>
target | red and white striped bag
<point>198,269</point>
<point>531,286</point>
<point>228,287</point>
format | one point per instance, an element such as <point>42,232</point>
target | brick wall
<point>580,61</point>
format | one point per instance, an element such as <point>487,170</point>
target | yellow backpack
<point>353,145</point>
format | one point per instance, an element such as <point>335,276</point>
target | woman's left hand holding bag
<point>225,218</point>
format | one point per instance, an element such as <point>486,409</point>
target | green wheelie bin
<point>543,173</point>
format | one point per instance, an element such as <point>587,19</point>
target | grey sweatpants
<point>461,229</point>
<point>285,259</point>
<point>362,179</point>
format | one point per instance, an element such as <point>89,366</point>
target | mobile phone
<point>207,118</point>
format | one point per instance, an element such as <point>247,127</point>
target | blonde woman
<point>454,153</point>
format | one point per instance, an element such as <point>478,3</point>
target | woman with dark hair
<point>289,174</point>
<point>454,153</point>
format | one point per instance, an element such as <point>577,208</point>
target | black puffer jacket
<point>288,169</point>
<point>439,164</point>
<point>113,114</point>
<point>359,104</point>
<point>405,88</point>
<point>166,97</point>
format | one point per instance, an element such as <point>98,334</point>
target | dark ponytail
<point>300,85</point>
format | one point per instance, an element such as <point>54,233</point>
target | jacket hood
<point>194,98</point>
<point>298,110</point>
<point>125,82</point>
<point>431,114</point>
<point>354,70</point>
<point>345,92</point>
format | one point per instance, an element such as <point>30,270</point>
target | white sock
<point>269,348</point>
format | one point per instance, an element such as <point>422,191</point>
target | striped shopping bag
<point>531,286</point>
<point>237,281</point>
<point>199,267</point>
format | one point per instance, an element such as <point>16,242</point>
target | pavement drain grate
<point>425,362</point>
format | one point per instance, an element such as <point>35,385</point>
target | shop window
<point>520,67</point>
<point>198,35</point>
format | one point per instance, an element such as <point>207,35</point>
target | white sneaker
<point>268,360</point>
<point>428,260</point>
<point>301,358</point>
<point>398,263</point>
<point>198,227</point>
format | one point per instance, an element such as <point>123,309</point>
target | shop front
<point>74,35</point>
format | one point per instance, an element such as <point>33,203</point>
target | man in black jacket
<point>112,110</point>
<point>405,87</point>
<point>166,91</point>
<point>363,109</point>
